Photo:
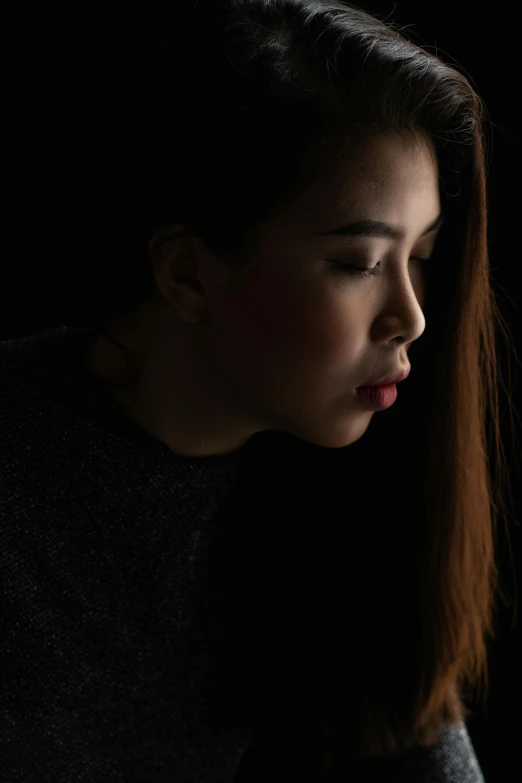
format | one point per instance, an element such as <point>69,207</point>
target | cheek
<point>301,326</point>
<point>262,329</point>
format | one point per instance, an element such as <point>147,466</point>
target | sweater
<point>119,566</point>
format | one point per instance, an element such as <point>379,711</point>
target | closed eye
<point>364,271</point>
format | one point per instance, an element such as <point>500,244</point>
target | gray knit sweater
<point>108,651</point>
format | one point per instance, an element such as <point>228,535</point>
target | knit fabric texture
<point>119,561</point>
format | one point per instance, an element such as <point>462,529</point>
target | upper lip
<point>394,377</point>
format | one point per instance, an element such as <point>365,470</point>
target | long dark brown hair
<point>378,604</point>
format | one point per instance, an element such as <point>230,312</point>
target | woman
<point>311,187</point>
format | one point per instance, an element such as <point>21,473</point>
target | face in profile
<point>282,342</point>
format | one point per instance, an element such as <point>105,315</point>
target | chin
<point>338,437</point>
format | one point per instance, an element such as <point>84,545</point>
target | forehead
<point>381,177</point>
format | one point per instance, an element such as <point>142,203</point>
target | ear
<point>164,234</point>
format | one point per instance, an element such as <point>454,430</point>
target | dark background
<point>58,215</point>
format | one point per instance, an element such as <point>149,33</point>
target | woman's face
<point>283,344</point>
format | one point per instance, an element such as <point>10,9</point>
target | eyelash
<point>358,271</point>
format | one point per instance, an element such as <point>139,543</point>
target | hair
<point>243,104</point>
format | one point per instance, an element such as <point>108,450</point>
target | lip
<point>395,377</point>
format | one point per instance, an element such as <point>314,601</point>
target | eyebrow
<point>374,228</point>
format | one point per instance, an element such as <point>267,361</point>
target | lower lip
<point>378,397</point>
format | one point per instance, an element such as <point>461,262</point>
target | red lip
<point>396,377</point>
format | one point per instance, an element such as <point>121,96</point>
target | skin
<point>282,343</point>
